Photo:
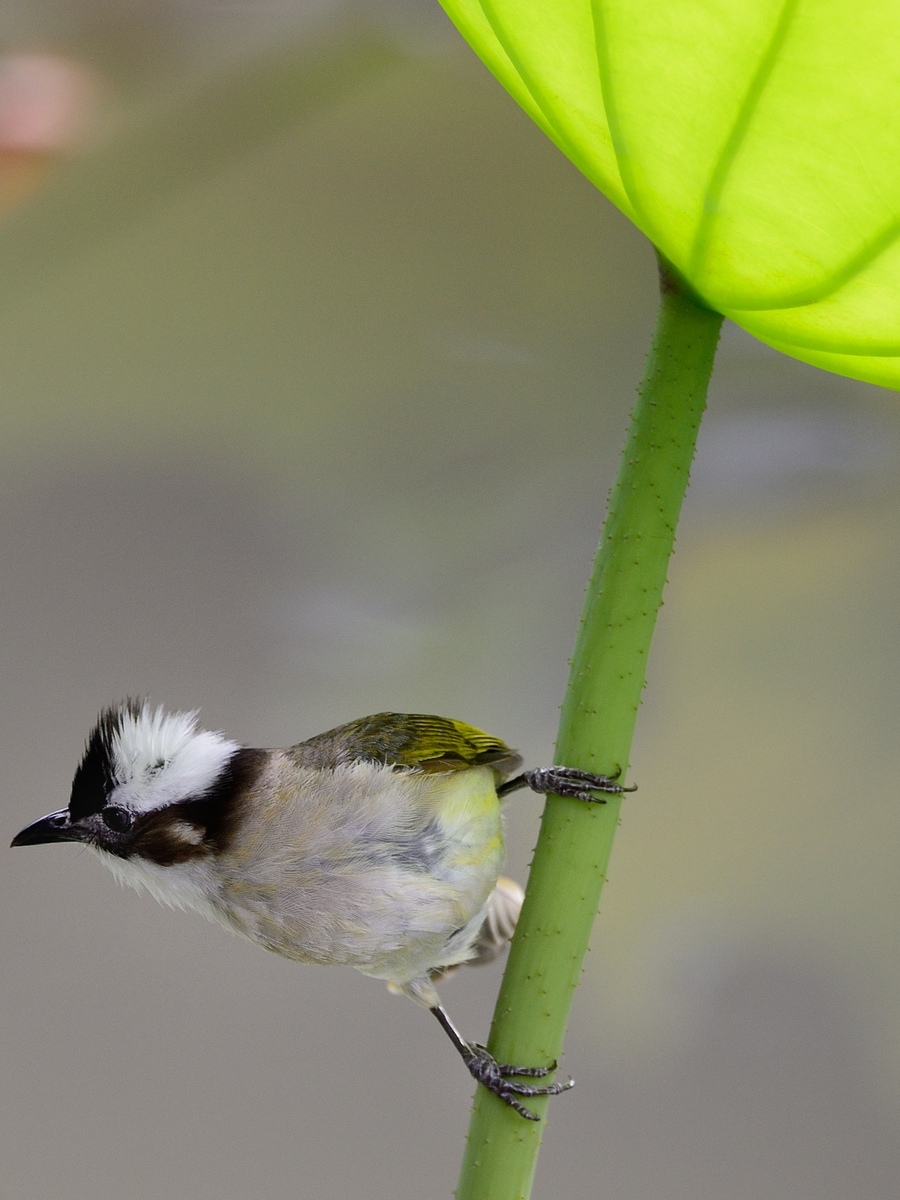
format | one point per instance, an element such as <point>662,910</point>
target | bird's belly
<point>391,901</point>
<point>392,923</point>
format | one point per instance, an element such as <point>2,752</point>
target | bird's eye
<point>117,819</point>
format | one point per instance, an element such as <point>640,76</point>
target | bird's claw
<point>570,781</point>
<point>493,1075</point>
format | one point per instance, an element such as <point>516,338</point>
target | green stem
<point>596,727</point>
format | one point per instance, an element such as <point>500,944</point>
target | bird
<point>376,845</point>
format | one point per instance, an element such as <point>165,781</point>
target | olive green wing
<point>412,740</point>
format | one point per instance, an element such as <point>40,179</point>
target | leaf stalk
<point>599,711</point>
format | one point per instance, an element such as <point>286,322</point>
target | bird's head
<point>150,786</point>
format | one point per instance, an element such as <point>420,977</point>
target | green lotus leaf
<point>755,142</point>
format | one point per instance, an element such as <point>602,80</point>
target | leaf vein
<point>735,140</point>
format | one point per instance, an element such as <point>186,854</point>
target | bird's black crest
<point>94,779</point>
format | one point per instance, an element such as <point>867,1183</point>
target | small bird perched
<point>377,845</point>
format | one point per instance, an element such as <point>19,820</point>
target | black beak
<point>55,827</point>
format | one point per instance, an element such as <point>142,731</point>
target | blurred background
<point>317,359</point>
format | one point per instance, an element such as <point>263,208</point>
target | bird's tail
<point>504,906</point>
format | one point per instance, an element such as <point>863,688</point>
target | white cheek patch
<point>160,758</point>
<point>185,833</point>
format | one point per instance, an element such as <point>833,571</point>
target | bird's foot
<point>493,1075</point>
<point>569,781</point>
